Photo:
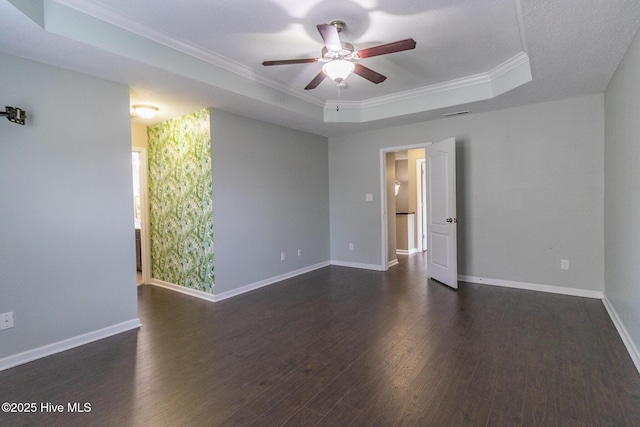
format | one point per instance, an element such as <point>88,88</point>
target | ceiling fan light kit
<point>338,70</point>
<point>340,59</point>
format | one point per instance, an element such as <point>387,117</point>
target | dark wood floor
<point>345,347</point>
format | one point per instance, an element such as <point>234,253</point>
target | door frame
<point>145,239</point>
<point>421,204</point>
<point>384,232</point>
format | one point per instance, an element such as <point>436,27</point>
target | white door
<point>441,212</point>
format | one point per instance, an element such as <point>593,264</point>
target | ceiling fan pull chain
<point>338,101</point>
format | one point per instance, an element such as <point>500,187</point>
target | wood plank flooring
<point>345,347</point>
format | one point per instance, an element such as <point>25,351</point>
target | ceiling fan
<point>340,58</point>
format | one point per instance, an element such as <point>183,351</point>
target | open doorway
<point>141,217</point>
<point>402,198</point>
<point>440,196</point>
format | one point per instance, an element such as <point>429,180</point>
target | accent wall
<point>180,201</point>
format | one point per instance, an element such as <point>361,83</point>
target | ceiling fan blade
<point>369,74</point>
<point>330,37</point>
<point>290,61</point>
<point>384,49</point>
<point>316,81</point>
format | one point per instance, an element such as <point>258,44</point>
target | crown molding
<point>509,65</point>
<point>112,17</point>
<point>512,73</point>
<point>482,78</point>
<point>504,77</point>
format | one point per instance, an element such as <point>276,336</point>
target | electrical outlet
<point>282,256</point>
<point>299,252</point>
<point>6,320</point>
<point>564,264</point>
<point>350,246</point>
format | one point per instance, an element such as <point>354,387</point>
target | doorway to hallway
<point>401,201</point>
<point>440,196</point>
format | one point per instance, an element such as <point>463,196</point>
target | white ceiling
<point>470,54</point>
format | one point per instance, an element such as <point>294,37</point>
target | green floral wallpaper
<point>180,201</point>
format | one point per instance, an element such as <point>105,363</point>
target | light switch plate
<point>369,197</point>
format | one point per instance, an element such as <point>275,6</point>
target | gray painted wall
<point>354,172</point>
<point>622,197</point>
<point>67,260</point>
<point>530,191</point>
<point>270,195</point>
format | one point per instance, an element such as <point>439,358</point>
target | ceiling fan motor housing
<point>345,53</point>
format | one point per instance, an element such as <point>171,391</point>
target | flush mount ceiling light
<point>145,111</point>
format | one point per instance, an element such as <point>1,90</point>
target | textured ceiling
<point>569,48</point>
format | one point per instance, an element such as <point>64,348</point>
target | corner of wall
<point>622,331</point>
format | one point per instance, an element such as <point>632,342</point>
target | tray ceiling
<point>469,53</point>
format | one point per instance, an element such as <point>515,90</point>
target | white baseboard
<point>532,287</point>
<point>622,331</point>
<point>69,343</point>
<point>406,252</point>
<point>224,295</point>
<point>356,265</point>
<point>232,293</point>
<point>392,262</point>
<point>183,290</point>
